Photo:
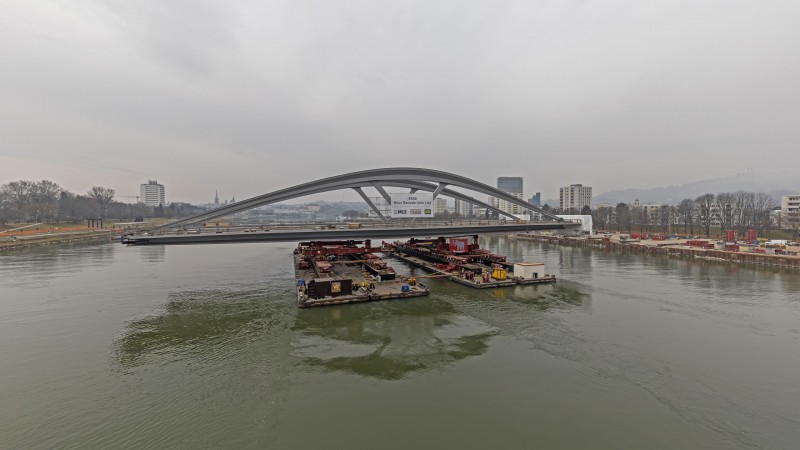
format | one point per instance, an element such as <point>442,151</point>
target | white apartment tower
<point>575,196</point>
<point>790,204</point>
<point>152,193</point>
<point>790,210</point>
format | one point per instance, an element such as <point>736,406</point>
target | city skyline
<point>205,97</point>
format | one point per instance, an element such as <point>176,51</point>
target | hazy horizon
<point>248,98</point>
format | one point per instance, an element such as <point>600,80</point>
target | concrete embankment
<point>8,245</point>
<point>671,248</point>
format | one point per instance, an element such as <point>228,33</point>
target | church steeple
<point>216,197</point>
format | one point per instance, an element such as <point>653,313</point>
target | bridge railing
<point>405,223</point>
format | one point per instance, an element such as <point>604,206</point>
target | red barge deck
<point>456,259</point>
<point>338,272</point>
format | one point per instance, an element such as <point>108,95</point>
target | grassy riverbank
<point>16,236</point>
<point>10,244</point>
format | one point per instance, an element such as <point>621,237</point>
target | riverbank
<point>680,248</point>
<point>8,244</point>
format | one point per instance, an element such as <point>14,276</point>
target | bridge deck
<point>363,233</point>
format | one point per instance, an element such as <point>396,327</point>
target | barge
<point>338,272</point>
<point>456,259</point>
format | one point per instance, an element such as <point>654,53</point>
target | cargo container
<point>333,287</point>
<point>528,270</point>
<point>730,235</point>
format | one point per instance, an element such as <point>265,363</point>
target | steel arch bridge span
<point>415,179</point>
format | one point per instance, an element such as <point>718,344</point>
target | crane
<point>130,196</point>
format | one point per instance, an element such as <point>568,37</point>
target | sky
<point>248,97</point>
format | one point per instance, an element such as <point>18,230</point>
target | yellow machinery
<point>499,274</point>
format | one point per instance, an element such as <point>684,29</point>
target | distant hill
<point>777,184</point>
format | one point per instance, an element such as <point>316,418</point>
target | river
<point>103,346</point>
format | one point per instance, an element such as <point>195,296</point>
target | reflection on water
<point>385,340</point>
<point>49,262</point>
<point>562,295</point>
<point>549,296</point>
<point>388,340</point>
<point>197,322</point>
<point>153,253</point>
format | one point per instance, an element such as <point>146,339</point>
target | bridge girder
<point>429,187</point>
<point>414,178</point>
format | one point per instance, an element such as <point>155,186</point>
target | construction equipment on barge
<point>337,272</point>
<point>466,263</point>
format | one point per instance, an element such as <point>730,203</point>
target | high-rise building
<point>790,204</point>
<point>513,186</point>
<point>575,196</point>
<point>464,209</point>
<point>152,193</point>
<point>439,206</point>
<point>536,200</point>
<point>790,211</point>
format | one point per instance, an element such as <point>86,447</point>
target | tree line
<point>46,201</point>
<point>740,211</point>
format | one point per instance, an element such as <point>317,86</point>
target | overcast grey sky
<point>248,97</point>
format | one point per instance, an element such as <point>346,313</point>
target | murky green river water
<point>103,346</point>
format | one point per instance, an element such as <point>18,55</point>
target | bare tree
<point>5,208</point>
<point>763,205</point>
<point>44,200</point>
<point>644,219</point>
<point>623,217</point>
<point>685,212</point>
<point>602,216</point>
<point>18,196</point>
<point>705,203</point>
<point>725,209</point>
<point>744,208</point>
<point>102,196</point>
<point>667,217</point>
<point>66,205</point>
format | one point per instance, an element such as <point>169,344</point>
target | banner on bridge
<point>419,204</point>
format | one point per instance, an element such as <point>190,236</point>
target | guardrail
<point>340,226</point>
